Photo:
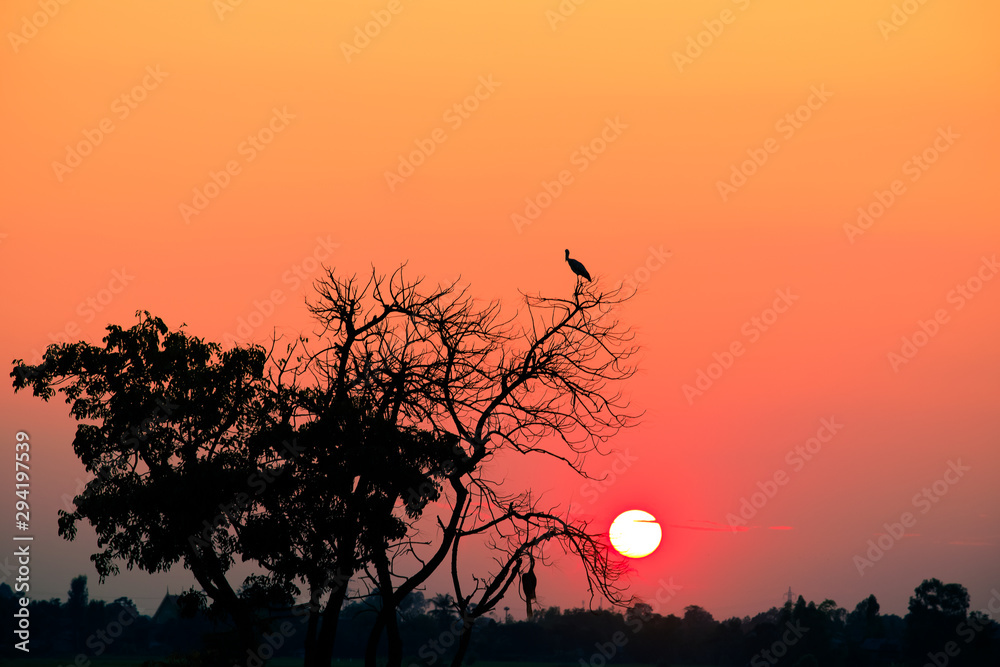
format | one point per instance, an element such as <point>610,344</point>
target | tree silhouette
<point>318,463</point>
<point>434,358</point>
<point>935,611</point>
<point>168,450</point>
<point>864,622</point>
<point>77,600</point>
<point>77,596</point>
<point>932,597</point>
<point>200,457</point>
<point>443,607</point>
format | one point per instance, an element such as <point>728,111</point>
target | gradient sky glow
<point>838,110</point>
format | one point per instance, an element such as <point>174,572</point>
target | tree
<point>936,598</point>
<point>77,600</point>
<point>127,606</point>
<point>201,458</point>
<point>443,607</point>
<point>164,423</point>
<point>433,358</point>
<point>77,597</point>
<point>864,622</point>
<point>935,611</point>
<point>317,463</point>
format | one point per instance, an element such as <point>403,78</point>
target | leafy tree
<point>199,457</point>
<point>77,597</point>
<point>443,607</point>
<point>936,598</point>
<point>935,611</point>
<point>413,605</point>
<point>126,605</point>
<point>164,420</point>
<point>864,622</point>
<point>76,607</point>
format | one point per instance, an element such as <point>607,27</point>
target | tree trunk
<point>463,644</point>
<point>392,623</point>
<point>312,629</point>
<point>208,572</point>
<point>461,494</point>
<point>371,649</point>
<point>323,653</point>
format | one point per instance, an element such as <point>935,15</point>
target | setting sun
<point>635,534</point>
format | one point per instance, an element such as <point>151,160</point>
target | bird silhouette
<point>577,268</point>
<point>528,583</point>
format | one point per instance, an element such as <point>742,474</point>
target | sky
<point>803,194</point>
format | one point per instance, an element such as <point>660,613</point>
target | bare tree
<point>542,384</point>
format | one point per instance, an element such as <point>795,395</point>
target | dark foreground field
<point>280,662</point>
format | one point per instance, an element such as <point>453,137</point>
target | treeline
<point>939,630</point>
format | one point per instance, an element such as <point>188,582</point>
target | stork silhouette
<point>528,583</point>
<point>577,268</point>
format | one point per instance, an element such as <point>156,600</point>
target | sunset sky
<point>804,194</point>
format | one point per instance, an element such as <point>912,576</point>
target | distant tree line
<point>939,630</point>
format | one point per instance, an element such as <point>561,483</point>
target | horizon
<point>602,605</point>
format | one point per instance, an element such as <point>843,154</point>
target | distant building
<point>169,610</point>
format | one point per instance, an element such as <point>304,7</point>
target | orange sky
<point>198,162</point>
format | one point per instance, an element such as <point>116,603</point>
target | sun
<point>635,534</point>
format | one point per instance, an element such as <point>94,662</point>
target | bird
<point>577,268</point>
<point>528,583</point>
